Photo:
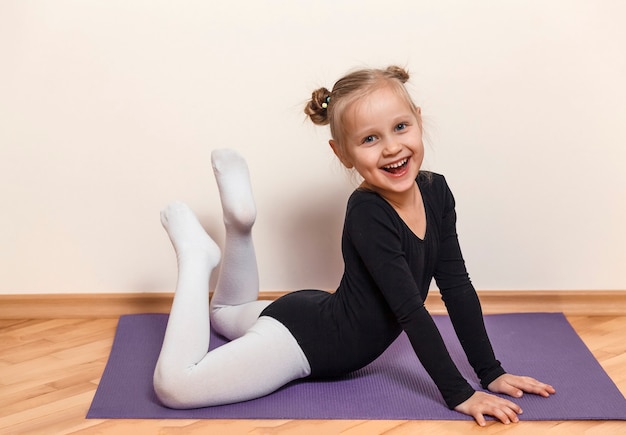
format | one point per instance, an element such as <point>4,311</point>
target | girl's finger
<point>512,414</point>
<point>480,419</point>
<point>500,415</point>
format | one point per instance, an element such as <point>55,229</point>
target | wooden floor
<point>49,371</point>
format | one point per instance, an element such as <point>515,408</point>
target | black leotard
<point>388,270</point>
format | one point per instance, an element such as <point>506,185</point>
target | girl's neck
<point>406,200</point>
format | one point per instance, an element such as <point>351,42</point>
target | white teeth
<point>396,165</point>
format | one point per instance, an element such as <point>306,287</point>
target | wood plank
<point>113,305</point>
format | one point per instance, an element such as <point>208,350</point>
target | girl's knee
<point>223,322</point>
<point>171,389</point>
<point>233,321</point>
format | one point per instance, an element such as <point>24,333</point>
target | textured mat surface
<point>395,386</point>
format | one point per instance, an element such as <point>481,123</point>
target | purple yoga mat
<point>395,386</point>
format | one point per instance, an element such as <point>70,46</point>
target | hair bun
<point>398,73</point>
<point>317,107</point>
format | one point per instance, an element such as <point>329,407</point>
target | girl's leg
<point>186,376</point>
<point>263,360</point>
<point>187,334</point>
<point>234,305</point>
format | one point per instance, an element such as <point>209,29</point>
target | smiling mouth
<point>394,168</point>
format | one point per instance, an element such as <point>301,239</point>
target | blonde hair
<point>328,107</point>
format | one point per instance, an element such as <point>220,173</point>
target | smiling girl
<point>399,234</point>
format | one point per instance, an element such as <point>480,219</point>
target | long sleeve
<point>374,231</point>
<point>461,300</point>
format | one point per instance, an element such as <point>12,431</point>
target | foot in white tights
<point>233,181</point>
<point>187,235</point>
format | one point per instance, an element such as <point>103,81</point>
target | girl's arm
<point>460,297</point>
<point>465,312</point>
<point>378,244</point>
<point>372,231</point>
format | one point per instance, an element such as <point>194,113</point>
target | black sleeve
<point>461,300</point>
<point>372,232</point>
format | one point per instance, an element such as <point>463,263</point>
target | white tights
<point>263,355</point>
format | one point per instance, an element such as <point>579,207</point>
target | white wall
<point>109,110</point>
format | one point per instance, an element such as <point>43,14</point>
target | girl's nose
<point>392,147</point>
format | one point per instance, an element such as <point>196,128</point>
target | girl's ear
<point>338,152</point>
<point>419,116</point>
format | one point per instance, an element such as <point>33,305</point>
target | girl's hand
<point>515,386</point>
<point>481,404</point>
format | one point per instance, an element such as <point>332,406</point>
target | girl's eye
<point>401,126</point>
<point>369,139</point>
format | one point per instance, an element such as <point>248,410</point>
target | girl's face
<point>383,142</point>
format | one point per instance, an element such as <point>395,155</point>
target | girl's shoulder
<point>365,198</point>
<point>430,180</point>
<point>367,213</point>
<point>433,184</point>
<point>435,191</point>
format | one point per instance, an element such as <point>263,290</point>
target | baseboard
<point>48,306</point>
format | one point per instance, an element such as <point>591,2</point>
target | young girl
<point>399,233</point>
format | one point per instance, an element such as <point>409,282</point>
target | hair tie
<point>325,104</point>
